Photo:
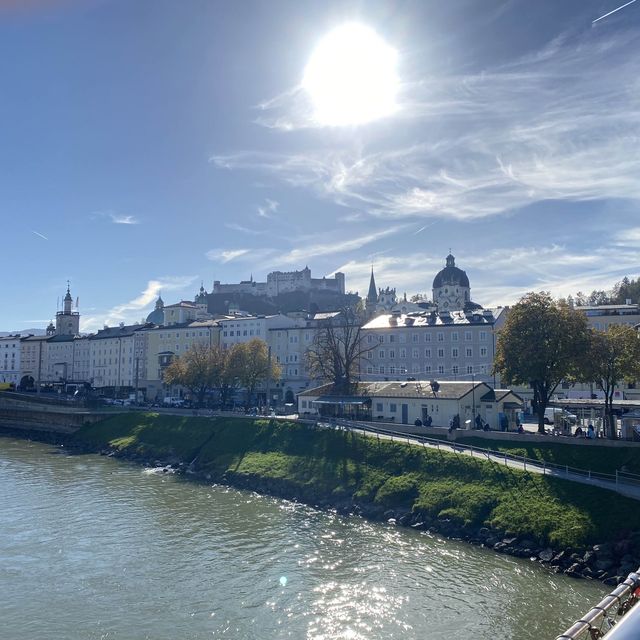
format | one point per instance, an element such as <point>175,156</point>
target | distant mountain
<point>23,332</point>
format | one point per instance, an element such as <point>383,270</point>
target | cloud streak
<point>129,311</point>
<point>39,235</point>
<point>561,124</point>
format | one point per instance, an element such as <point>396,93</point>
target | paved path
<point>629,489</point>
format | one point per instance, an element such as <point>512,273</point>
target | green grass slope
<point>590,457</point>
<point>335,466</point>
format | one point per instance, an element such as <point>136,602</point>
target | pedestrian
<point>478,422</point>
<point>591,433</point>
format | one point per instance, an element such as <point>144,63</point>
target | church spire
<point>372,296</point>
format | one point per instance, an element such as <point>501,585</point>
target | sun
<point>351,77</point>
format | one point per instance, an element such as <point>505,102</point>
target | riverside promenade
<point>55,416</point>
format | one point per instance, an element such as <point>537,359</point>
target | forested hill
<point>626,289</point>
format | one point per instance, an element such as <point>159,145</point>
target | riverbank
<point>574,529</point>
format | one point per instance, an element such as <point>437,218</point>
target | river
<point>95,548</point>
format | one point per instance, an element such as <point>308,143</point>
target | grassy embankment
<point>339,466</point>
<point>594,458</point>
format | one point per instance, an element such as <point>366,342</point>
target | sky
<point>149,146</point>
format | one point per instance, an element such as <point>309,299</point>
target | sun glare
<point>351,77</point>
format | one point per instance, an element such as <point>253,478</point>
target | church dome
<point>157,315</point>
<point>451,275</point>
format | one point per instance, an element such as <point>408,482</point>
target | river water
<point>95,548</point>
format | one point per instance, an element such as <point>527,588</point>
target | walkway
<point>628,486</point>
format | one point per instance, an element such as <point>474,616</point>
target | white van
<point>556,414</point>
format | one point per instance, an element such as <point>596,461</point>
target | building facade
<point>426,345</point>
<point>10,359</point>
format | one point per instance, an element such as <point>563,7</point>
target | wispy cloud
<point>121,219</point>
<point>242,229</point>
<point>268,208</point>
<point>129,311</point>
<point>560,124</point>
<point>116,218</point>
<point>499,277</point>
<point>226,255</point>
<point>39,235</point>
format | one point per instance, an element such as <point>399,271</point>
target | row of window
<point>415,353</point>
<point>237,332</point>
<point>416,368</point>
<point>415,337</point>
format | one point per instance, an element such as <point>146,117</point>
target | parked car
<point>556,414</point>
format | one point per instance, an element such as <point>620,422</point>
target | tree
<point>250,364</point>
<point>200,369</point>
<point>541,343</point>
<point>613,355</point>
<point>337,349</point>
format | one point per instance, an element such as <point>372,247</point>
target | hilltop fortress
<point>279,282</point>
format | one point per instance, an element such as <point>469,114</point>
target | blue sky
<point>150,145</point>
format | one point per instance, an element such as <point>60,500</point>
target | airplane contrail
<point>426,226</point>
<point>614,11</point>
<point>39,235</point>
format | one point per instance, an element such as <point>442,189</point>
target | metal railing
<point>618,480</point>
<point>600,615</point>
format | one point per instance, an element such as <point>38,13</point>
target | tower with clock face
<point>451,290</point>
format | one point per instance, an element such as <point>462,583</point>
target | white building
<point>239,329</point>
<point>404,402</point>
<point>10,359</point>
<point>111,356</point>
<point>445,345</point>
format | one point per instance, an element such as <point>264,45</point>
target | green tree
<point>338,347</point>
<point>251,365</point>
<point>541,343</point>
<point>613,355</point>
<point>200,369</point>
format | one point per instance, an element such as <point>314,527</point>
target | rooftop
<point>407,389</point>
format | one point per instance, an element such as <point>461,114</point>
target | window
<point>455,369</point>
<point>468,352</point>
<point>469,368</point>
<point>440,336</point>
<point>392,338</point>
<point>467,336</point>
<point>393,407</point>
<point>415,354</point>
<point>304,404</point>
<point>416,368</point>
<point>392,353</point>
<point>440,353</point>
<point>483,351</point>
<point>440,368</point>
<point>392,369</point>
<point>381,339</point>
<point>369,355</point>
<point>402,338</point>
<point>379,406</point>
<point>381,369</point>
<point>403,353</point>
<point>454,336</point>
<point>427,353</point>
<point>381,354</point>
<point>369,369</point>
<point>483,336</point>
<point>369,338</point>
<point>415,337</point>
<point>454,352</point>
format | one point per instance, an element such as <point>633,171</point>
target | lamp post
<point>473,395</point>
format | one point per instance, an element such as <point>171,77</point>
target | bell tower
<point>67,320</point>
